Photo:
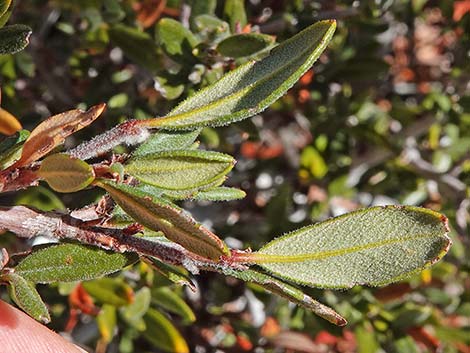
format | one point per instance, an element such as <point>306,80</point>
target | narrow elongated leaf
<point>4,5</point>
<point>169,300</point>
<point>64,173</point>
<point>160,215</point>
<point>134,312</point>
<point>245,44</point>
<point>252,87</point>
<point>53,131</point>
<point>287,291</point>
<point>221,193</point>
<point>71,262</point>
<point>14,38</point>
<point>176,40</point>
<point>180,170</point>
<point>373,246</point>
<point>166,141</point>
<point>162,334</point>
<point>107,321</point>
<point>172,273</point>
<point>25,295</point>
<point>234,11</point>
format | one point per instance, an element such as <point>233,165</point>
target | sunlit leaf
<point>8,123</point>
<point>221,193</point>
<point>162,334</point>
<point>166,141</point>
<point>25,295</point>
<point>14,38</point>
<point>180,170</point>
<point>53,131</point>
<point>245,44</point>
<point>373,246</point>
<point>252,87</point>
<point>169,300</point>
<point>71,262</point>
<point>160,215</point>
<point>176,40</point>
<point>287,291</point>
<point>64,173</point>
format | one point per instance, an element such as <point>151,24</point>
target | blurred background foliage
<point>383,118</point>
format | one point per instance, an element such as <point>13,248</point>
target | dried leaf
<point>53,131</point>
<point>8,123</point>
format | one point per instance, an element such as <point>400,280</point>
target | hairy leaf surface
<point>180,170</point>
<point>14,38</point>
<point>160,215</point>
<point>373,246</point>
<point>252,87</point>
<point>71,262</point>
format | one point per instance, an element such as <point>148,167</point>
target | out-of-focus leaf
<point>287,291</point>
<point>107,321</point>
<point>166,141</point>
<point>112,11</point>
<point>220,193</point>
<point>71,262</point>
<point>252,87</point>
<point>246,44</point>
<point>64,173</point>
<point>113,291</point>
<point>373,246</point>
<point>137,45</point>
<point>8,123</point>
<point>180,169</point>
<point>10,148</point>
<point>160,215</point>
<point>4,5</point>
<point>149,11</point>
<point>53,131</point>
<point>162,334</point>
<point>405,345</point>
<point>172,273</point>
<point>314,162</point>
<point>176,40</point>
<point>169,300</point>
<point>234,12</point>
<point>366,339</point>
<point>5,17</point>
<point>200,8</point>
<point>23,293</point>
<point>134,312</point>
<point>411,316</point>
<point>14,38</point>
<point>169,85</point>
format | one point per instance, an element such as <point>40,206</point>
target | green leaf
<point>23,293</point>
<point>161,333</point>
<point>234,12</point>
<point>246,44</point>
<point>314,162</point>
<point>4,5</point>
<point>287,291</point>
<point>373,246</point>
<point>366,339</point>
<point>176,40</point>
<point>113,291</point>
<point>137,45</point>
<point>11,147</point>
<point>200,8</point>
<point>221,193</point>
<point>107,322</point>
<point>181,169</point>
<point>134,312</point>
<point>66,174</point>
<point>169,300</point>
<point>14,38</point>
<point>172,273</point>
<point>252,87</point>
<point>166,141</point>
<point>71,262</point>
<point>5,17</point>
<point>160,215</point>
